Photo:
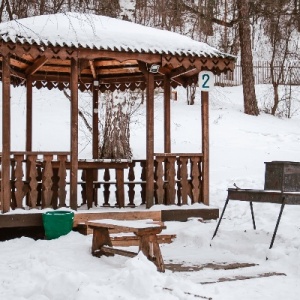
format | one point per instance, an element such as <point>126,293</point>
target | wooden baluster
<point>83,187</point>
<point>131,184</point>
<point>184,179</point>
<point>143,178</point>
<point>170,172</point>
<point>106,185</point>
<point>160,192</point>
<point>33,181</point>
<point>54,189</point>
<point>47,181</point>
<point>0,184</point>
<point>195,179</point>
<point>200,179</point>
<point>155,181</point>
<point>178,180</point>
<point>96,186</point>
<point>39,169</point>
<point>19,184</point>
<point>13,203</point>
<point>62,175</point>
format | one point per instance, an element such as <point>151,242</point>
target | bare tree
<point>280,28</point>
<point>250,102</point>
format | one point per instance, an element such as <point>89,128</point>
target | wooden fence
<point>262,74</point>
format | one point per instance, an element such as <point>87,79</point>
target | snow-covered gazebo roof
<point>108,48</point>
<point>101,33</point>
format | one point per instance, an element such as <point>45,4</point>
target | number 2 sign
<point>206,80</point>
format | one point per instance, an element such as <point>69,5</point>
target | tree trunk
<point>250,102</point>
<point>116,135</point>
<point>276,99</point>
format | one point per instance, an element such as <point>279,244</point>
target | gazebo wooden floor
<point>31,224</point>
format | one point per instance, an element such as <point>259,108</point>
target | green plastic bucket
<point>57,223</point>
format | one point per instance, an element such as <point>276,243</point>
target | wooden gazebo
<point>88,52</point>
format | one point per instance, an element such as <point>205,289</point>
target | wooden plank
<point>21,220</point>
<point>205,146</point>
<point>6,131</point>
<point>117,215</point>
<point>244,277</point>
<point>42,152</point>
<point>184,214</point>
<point>93,70</point>
<point>55,68</point>
<point>110,250</point>
<point>147,230</point>
<point>179,154</point>
<point>105,63</point>
<point>38,64</point>
<point>124,70</point>
<point>119,56</point>
<point>74,133</point>
<point>18,64</point>
<point>132,240</point>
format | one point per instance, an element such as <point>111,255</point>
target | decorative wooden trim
<point>47,181</point>
<point>183,176</point>
<point>160,192</point>
<point>52,52</point>
<point>217,65</point>
<point>19,182</point>
<point>33,183</point>
<point>62,174</point>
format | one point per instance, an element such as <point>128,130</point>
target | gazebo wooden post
<point>6,129</point>
<point>167,115</point>
<point>205,146</point>
<point>28,145</point>
<point>150,140</point>
<point>95,142</point>
<point>95,122</point>
<point>74,133</point>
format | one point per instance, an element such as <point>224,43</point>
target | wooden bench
<point>146,231</point>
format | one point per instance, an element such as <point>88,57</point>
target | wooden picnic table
<point>146,231</point>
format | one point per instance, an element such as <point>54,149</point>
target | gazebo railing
<point>35,183</point>
<point>41,180</point>
<point>178,176</point>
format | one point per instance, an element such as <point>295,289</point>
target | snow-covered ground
<point>239,146</point>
